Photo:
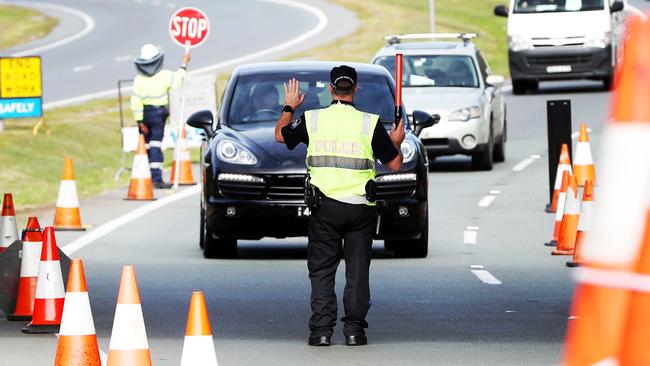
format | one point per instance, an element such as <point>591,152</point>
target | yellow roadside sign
<point>20,77</point>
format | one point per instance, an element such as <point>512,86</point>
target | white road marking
<point>124,58</point>
<point>511,311</point>
<point>476,266</point>
<point>525,163</point>
<point>470,235</point>
<point>495,192</point>
<point>486,277</point>
<point>116,223</point>
<point>322,23</point>
<point>89,25</point>
<point>486,201</point>
<point>83,68</point>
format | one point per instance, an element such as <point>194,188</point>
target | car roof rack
<point>397,38</point>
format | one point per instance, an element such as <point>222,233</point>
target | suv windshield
<point>554,6</point>
<point>257,100</point>
<point>434,70</point>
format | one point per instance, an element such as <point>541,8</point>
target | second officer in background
<point>150,103</point>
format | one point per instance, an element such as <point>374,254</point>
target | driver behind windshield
<point>265,103</point>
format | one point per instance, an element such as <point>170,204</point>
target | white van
<point>562,39</point>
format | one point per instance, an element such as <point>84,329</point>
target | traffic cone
<point>613,249</point>
<point>67,216</point>
<point>185,177</point>
<point>198,348</point>
<point>8,228</point>
<point>77,344</point>
<point>140,186</point>
<point>31,254</point>
<point>563,165</point>
<point>129,345</point>
<point>584,224</point>
<point>559,213</point>
<point>583,164</point>
<point>50,294</point>
<point>571,215</point>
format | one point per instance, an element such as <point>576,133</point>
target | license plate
<point>558,69</point>
<point>304,211</point>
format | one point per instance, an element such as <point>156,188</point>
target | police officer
<point>342,145</point>
<point>150,102</point>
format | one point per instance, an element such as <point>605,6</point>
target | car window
<point>257,100</point>
<point>555,6</point>
<point>484,69</point>
<point>434,70</point>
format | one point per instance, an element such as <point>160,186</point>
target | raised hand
<point>292,95</point>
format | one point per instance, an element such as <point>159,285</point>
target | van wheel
<point>518,86</point>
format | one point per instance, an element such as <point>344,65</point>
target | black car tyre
<point>484,160</point>
<point>499,154</point>
<point>215,248</point>
<point>416,248</point>
<point>202,229</point>
<point>519,86</point>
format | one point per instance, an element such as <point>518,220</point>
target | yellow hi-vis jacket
<point>154,90</point>
<point>339,154</point>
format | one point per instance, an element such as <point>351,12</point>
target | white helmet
<point>150,60</point>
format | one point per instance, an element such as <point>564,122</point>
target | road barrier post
<point>558,117</point>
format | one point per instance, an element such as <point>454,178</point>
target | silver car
<point>452,79</point>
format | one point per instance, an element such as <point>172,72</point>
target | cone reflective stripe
<point>129,345</point>
<point>583,163</point>
<point>8,228</point>
<point>31,256</point>
<point>50,294</point>
<point>571,214</point>
<point>141,185</point>
<point>185,168</point>
<point>563,165</point>
<point>584,224</point>
<point>67,215</point>
<point>77,344</point>
<point>560,208</point>
<point>614,243</point>
<point>198,348</point>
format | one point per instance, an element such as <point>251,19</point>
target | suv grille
<point>559,60</point>
<point>396,190</point>
<point>274,188</point>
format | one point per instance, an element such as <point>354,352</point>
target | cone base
<point>19,318</point>
<point>139,199</point>
<point>562,252</point>
<point>573,264</point>
<point>69,228</point>
<point>549,209</point>
<point>551,243</point>
<point>41,329</point>
<point>187,184</point>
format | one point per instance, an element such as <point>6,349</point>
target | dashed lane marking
<point>470,235</point>
<point>486,277</point>
<point>124,58</point>
<point>525,163</point>
<point>487,200</point>
<point>83,68</point>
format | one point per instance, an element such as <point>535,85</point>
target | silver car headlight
<point>408,151</point>
<point>598,41</point>
<point>232,152</point>
<point>519,43</point>
<point>465,114</point>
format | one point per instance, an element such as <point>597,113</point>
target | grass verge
<point>90,132</point>
<point>22,25</point>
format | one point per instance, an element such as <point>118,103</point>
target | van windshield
<point>556,6</point>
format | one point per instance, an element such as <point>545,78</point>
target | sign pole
<point>432,15</point>
<point>181,126</point>
<point>2,125</point>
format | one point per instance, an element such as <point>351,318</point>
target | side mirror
<point>617,6</point>
<point>495,80</point>
<point>202,120</point>
<point>423,120</point>
<point>501,11</point>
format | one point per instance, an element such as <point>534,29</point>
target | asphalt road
<point>432,311</point>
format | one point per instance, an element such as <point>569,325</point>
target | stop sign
<point>189,26</point>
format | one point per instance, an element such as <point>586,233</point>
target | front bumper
<point>552,63</point>
<point>446,137</point>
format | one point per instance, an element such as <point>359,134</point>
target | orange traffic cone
<point>612,250</point>
<point>583,164</point>
<point>571,215</point>
<point>31,255</point>
<point>129,345</point>
<point>50,294</point>
<point>67,216</point>
<point>564,165</point>
<point>198,348</point>
<point>584,225</point>
<point>8,228</point>
<point>140,186</point>
<point>77,345</point>
<point>185,168</point>
<point>561,200</point>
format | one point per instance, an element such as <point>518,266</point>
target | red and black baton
<point>398,88</point>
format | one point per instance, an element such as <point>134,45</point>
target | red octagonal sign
<point>189,27</point>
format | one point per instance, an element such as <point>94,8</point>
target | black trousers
<point>338,230</point>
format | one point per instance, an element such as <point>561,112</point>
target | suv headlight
<point>519,43</point>
<point>465,114</point>
<point>408,151</point>
<point>232,152</point>
<point>599,41</point>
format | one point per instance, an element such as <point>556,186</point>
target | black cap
<point>343,73</point>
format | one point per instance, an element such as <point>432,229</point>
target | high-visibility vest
<point>154,90</point>
<point>339,155</point>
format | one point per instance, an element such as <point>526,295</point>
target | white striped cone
<point>31,256</point>
<point>569,226</point>
<point>583,163</point>
<point>67,215</point>
<point>8,228</point>
<point>198,348</point>
<point>140,186</point>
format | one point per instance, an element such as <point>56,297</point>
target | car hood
<point>565,24</point>
<point>441,100</point>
